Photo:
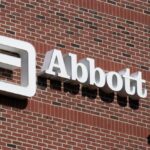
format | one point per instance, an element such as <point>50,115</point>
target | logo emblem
<point>26,63</point>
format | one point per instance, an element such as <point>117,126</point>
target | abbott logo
<point>66,67</point>
<point>26,62</point>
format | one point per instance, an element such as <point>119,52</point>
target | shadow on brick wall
<point>89,92</point>
<point>134,103</point>
<point>55,84</point>
<point>124,101</point>
<point>6,73</point>
<point>72,88</point>
<point>41,83</point>
<point>86,91</point>
<point>106,97</point>
<point>13,102</point>
<point>148,139</point>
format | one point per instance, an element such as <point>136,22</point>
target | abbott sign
<point>66,67</point>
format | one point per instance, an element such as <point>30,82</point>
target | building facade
<point>64,115</point>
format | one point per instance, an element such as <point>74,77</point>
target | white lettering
<point>54,64</point>
<point>85,71</point>
<point>128,87</point>
<point>67,67</point>
<point>114,81</point>
<point>141,92</point>
<point>77,71</point>
<point>97,76</point>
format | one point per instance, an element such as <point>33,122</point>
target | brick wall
<point>64,116</point>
